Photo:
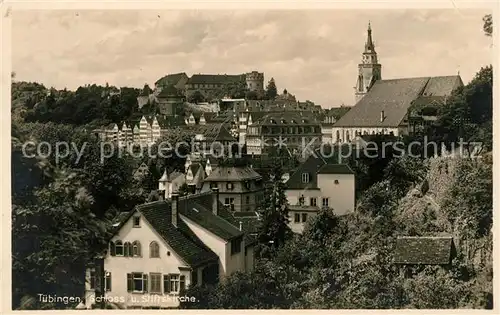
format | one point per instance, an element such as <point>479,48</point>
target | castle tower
<point>369,70</point>
<point>255,81</point>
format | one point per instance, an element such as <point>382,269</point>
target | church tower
<point>369,70</point>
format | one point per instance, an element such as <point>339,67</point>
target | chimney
<point>175,208</point>
<point>382,116</point>
<point>215,201</point>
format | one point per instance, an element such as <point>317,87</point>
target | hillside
<point>348,262</point>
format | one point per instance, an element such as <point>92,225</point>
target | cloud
<point>313,53</point>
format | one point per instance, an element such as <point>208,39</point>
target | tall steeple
<point>369,45</point>
<point>369,70</point>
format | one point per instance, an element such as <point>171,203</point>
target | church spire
<point>369,46</point>
<point>369,70</point>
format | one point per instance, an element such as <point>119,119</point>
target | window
<point>136,246</point>
<point>213,185</point>
<point>171,283</point>
<point>112,249</point>
<point>297,218</point>
<point>312,201</point>
<point>325,202</point>
<point>107,281</point>
<point>155,283</point>
<point>302,200</point>
<point>305,177</point>
<point>247,199</point>
<point>137,221</point>
<point>154,250</point>
<point>336,182</point>
<point>119,248</point>
<point>229,202</point>
<point>194,277</point>
<point>93,282</point>
<point>127,249</point>
<point>229,186</point>
<point>304,217</point>
<point>235,246</point>
<point>137,282</point>
<point>248,185</point>
<point>182,283</point>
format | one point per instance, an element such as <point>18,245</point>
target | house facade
<point>162,248</point>
<point>144,131</point>
<point>319,183</point>
<point>240,188</point>
<point>291,129</point>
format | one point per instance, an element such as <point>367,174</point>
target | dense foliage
<point>94,104</point>
<point>347,262</point>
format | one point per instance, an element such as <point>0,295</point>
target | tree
<point>488,24</point>
<point>274,229</point>
<point>196,97</point>
<point>468,113</point>
<point>271,89</point>
<point>251,95</point>
<point>55,237</point>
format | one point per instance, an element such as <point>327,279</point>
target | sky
<point>313,54</point>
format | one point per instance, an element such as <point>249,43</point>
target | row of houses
<point>163,247</point>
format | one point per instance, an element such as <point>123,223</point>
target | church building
<point>388,106</point>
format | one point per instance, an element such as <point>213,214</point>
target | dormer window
<point>305,177</point>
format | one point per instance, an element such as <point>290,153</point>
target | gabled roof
<point>170,121</point>
<point>314,164</point>
<point>394,97</point>
<point>423,250</point>
<point>225,173</point>
<point>182,240</point>
<point>197,208</point>
<point>335,169</point>
<point>171,79</point>
<point>287,118</point>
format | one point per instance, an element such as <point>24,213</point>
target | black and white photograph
<point>249,158</point>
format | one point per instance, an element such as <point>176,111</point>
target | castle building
<point>178,80</point>
<point>209,83</point>
<point>255,81</point>
<point>369,70</point>
<point>170,101</point>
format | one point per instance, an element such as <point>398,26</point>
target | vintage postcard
<point>249,158</point>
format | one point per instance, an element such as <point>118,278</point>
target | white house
<point>161,248</point>
<point>319,183</point>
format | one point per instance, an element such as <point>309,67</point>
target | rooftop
<point>393,98</point>
<point>423,250</point>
